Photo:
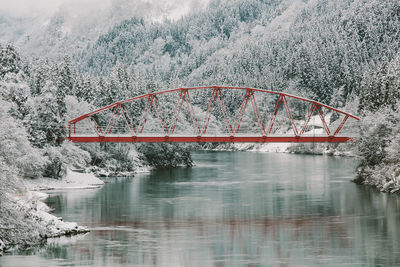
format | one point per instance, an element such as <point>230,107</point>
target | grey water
<point>230,209</point>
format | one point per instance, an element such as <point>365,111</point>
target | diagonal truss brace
<point>209,110</point>
<point>273,118</point>
<point>257,114</point>
<point>341,125</point>
<point>241,111</point>
<point>321,115</point>
<point>192,113</point>
<point>152,101</point>
<point>232,123</point>
<point>310,113</point>
<point>143,118</point>
<point>95,126</point>
<point>289,114</point>
<point>224,111</point>
<point>249,95</point>
<point>157,107</point>
<point>184,97</point>
<point>128,120</point>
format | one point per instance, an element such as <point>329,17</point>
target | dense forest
<point>343,53</point>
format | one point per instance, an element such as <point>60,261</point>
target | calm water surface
<point>231,209</point>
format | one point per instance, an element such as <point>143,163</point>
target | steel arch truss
<point>196,110</point>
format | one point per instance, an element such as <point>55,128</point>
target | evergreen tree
<point>45,122</point>
<point>10,61</point>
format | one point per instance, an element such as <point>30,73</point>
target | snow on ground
<point>143,169</point>
<point>254,147</point>
<point>39,211</point>
<point>270,147</point>
<point>31,203</point>
<point>73,180</point>
<point>317,130</point>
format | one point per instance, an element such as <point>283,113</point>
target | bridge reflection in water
<point>212,114</point>
<point>247,240</point>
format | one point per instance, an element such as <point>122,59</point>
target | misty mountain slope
<point>12,29</point>
<point>75,24</point>
<point>66,32</point>
<point>136,42</point>
<point>320,48</point>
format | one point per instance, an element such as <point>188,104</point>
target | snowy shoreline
<point>309,149</point>
<point>38,223</point>
<point>31,205</point>
<point>385,178</point>
<point>73,180</point>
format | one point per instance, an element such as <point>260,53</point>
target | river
<point>231,209</point>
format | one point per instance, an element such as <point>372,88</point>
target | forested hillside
<point>337,52</point>
<point>323,49</point>
<point>343,53</point>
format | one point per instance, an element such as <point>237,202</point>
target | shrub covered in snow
<point>25,222</point>
<point>15,149</point>
<point>165,155</point>
<point>379,150</point>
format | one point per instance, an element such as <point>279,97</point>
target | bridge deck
<point>208,139</point>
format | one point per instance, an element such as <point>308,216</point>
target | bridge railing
<point>224,112</point>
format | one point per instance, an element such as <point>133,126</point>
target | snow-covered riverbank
<point>30,223</point>
<point>73,180</point>
<point>311,149</point>
<point>334,149</point>
<point>29,220</point>
<point>384,177</point>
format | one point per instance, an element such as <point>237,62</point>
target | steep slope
<point>75,24</point>
<point>321,48</point>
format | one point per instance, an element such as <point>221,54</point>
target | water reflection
<point>232,209</point>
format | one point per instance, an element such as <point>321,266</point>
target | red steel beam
<point>118,108</point>
<point>128,119</point>
<point>241,112</point>
<point>192,113</point>
<point>143,118</point>
<point>210,139</point>
<point>224,111</point>
<point>257,114</point>
<point>177,111</point>
<point>321,115</point>
<point>341,125</point>
<point>209,110</point>
<point>272,120</point>
<point>159,114</point>
<point>210,88</point>
<point>289,114</point>
<point>310,113</point>
<point>113,119</point>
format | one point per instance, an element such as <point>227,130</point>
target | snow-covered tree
<point>10,61</point>
<point>45,122</point>
<point>15,149</point>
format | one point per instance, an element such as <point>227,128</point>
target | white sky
<point>27,8</point>
<point>23,8</point>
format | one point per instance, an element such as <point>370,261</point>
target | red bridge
<point>212,114</point>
